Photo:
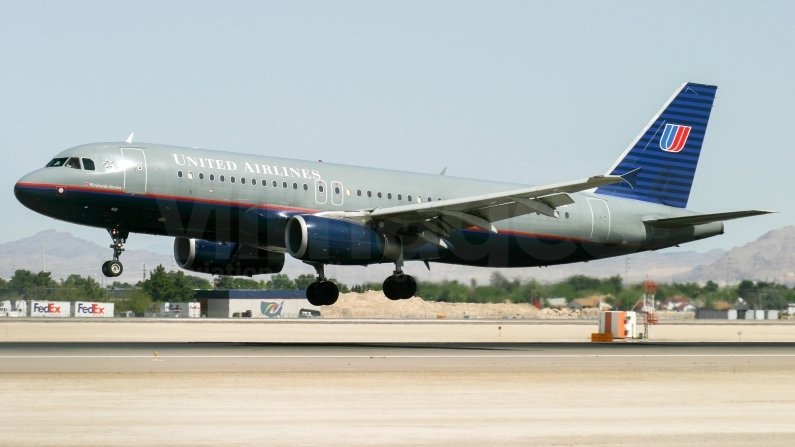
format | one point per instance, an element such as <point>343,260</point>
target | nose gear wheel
<point>114,268</point>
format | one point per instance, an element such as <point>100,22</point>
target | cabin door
<point>600,220</point>
<point>134,162</point>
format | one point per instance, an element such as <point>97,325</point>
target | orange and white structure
<point>620,324</point>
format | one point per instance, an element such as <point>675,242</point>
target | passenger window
<point>274,183</point>
<point>379,194</point>
<point>55,162</point>
<point>348,192</point>
<point>88,164</point>
<point>429,199</point>
<point>201,176</point>
<point>254,182</point>
<point>409,198</point>
<point>389,195</point>
<point>190,175</point>
<point>359,192</point>
<point>336,190</point>
<point>264,182</point>
<point>232,179</point>
<point>284,185</point>
<point>243,180</point>
<point>73,162</point>
<point>212,177</point>
<point>179,174</point>
<point>306,188</point>
<point>400,196</point>
<point>221,178</point>
<point>320,188</point>
<point>295,185</point>
<point>369,194</point>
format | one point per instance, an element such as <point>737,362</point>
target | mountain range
<point>769,258</point>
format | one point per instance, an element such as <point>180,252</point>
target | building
<point>592,302</point>
<point>556,303</point>
<point>255,304</point>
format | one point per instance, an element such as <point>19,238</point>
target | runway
<point>404,394</point>
<point>372,357</point>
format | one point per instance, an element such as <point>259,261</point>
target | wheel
<point>311,295</point>
<point>328,292</point>
<point>391,289</point>
<point>115,268</point>
<point>105,268</point>
<point>408,287</point>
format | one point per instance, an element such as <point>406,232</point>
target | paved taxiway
<point>351,394</point>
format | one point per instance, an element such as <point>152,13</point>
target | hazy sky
<point>518,91</point>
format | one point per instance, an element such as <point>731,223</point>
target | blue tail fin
<point>660,164</point>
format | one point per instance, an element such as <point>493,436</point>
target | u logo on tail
<point>674,137</point>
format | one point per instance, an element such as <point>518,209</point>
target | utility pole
<point>144,272</point>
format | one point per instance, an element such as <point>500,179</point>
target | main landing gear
<point>322,292</point>
<point>113,268</point>
<point>399,286</point>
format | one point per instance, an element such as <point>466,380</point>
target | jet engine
<point>336,241</point>
<point>221,258</point>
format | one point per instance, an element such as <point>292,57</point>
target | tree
<point>159,285</point>
<point>281,282</point>
<point>232,283</point>
<point>195,282</point>
<point>303,281</point>
<point>183,291</point>
<point>31,285</point>
<point>77,288</point>
<point>135,300</point>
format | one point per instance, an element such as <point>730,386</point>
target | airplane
<point>240,214</point>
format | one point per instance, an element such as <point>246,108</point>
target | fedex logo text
<point>94,309</point>
<point>46,309</point>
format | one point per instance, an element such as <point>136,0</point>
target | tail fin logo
<point>674,137</point>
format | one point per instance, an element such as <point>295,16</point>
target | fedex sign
<point>50,308</point>
<point>84,309</point>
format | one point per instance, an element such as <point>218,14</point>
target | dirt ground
<point>408,408</point>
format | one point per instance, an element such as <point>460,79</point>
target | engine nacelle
<point>335,241</point>
<point>231,259</point>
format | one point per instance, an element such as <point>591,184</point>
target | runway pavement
<point>371,357</point>
<point>407,394</point>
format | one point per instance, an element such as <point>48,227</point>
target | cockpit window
<point>73,162</point>
<point>55,162</point>
<point>88,164</point>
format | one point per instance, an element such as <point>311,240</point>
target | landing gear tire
<point>400,287</point>
<point>112,269</point>
<point>311,295</point>
<point>322,293</point>
<point>328,292</point>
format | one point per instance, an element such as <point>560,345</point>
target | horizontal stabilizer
<point>698,219</point>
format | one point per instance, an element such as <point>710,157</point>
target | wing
<point>435,220</point>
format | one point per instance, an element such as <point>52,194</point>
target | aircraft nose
<point>26,189</point>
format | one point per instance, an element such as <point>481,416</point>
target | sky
<point>528,92</point>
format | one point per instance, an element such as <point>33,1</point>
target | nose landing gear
<point>114,268</point>
<point>322,292</point>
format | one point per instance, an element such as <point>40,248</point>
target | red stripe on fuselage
<point>168,197</point>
